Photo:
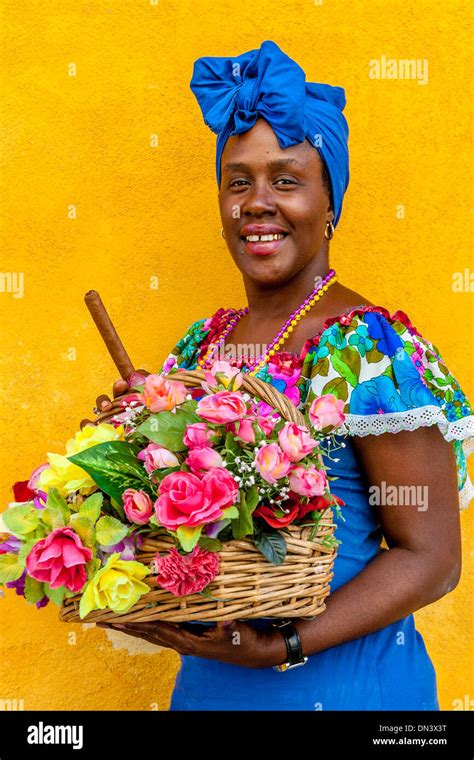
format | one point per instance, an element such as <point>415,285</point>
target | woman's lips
<point>263,248</point>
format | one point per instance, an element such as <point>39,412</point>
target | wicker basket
<point>248,585</point>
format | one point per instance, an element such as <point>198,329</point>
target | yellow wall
<point>145,213</point>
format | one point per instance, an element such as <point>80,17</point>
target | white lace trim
<point>409,419</point>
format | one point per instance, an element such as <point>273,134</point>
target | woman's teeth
<point>263,238</point>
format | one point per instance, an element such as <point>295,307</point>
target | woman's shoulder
<point>391,377</point>
<point>372,348</point>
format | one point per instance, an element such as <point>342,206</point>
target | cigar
<point>109,334</point>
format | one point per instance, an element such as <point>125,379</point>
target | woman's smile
<point>262,239</point>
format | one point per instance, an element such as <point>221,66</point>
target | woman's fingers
<point>103,402</point>
<point>120,386</point>
<point>161,634</point>
<point>85,422</point>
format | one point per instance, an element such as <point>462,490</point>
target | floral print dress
<point>390,378</point>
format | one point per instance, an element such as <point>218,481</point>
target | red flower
<point>294,509</point>
<point>183,574</point>
<point>22,492</point>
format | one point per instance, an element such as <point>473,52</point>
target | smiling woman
<point>282,169</point>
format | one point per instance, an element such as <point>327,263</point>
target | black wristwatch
<point>293,645</point>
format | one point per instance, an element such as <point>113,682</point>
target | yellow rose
<point>68,477</point>
<point>118,586</point>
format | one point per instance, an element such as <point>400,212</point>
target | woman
<point>282,169</point>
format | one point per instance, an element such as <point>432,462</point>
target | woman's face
<point>266,190</point>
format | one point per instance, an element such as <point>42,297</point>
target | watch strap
<point>293,645</point>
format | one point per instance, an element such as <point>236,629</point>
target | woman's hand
<point>233,642</point>
<point>104,403</point>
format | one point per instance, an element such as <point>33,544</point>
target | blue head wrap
<point>233,92</point>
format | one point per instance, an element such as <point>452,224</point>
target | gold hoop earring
<point>330,227</point>
<point>222,232</point>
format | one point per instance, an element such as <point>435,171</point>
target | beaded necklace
<point>206,361</point>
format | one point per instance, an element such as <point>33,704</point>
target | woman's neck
<point>267,303</point>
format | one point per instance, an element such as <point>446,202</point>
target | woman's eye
<point>239,183</point>
<point>235,182</point>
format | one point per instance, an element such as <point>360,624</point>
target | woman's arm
<point>423,562</point>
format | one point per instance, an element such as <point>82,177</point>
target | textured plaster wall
<point>88,203</point>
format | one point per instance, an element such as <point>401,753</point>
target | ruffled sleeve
<point>193,345</point>
<point>184,353</point>
<point>390,378</point>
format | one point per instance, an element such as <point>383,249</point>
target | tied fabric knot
<point>234,92</point>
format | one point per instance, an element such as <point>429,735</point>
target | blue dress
<point>386,670</point>
<point>389,669</point>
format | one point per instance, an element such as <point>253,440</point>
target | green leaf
<point>232,445</point>
<point>25,549</point>
<point>56,501</point>
<point>443,368</point>
<point>338,387</point>
<point>272,545</point>
<point>230,512</point>
<point>21,520</point>
<point>84,527</point>
<point>154,521</point>
<point>189,408</point>
<point>373,356</point>
<point>34,590</point>
<point>252,498</point>
<point>114,467</point>
<point>110,531</point>
<point>167,428</point>
<point>52,518</point>
<point>87,602</point>
<point>243,525</point>
<point>347,363</point>
<point>11,567</point>
<point>321,367</point>
<point>92,506</point>
<point>55,594</point>
<point>92,567</point>
<point>188,537</point>
<point>210,544</point>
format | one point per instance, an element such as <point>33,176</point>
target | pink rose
<point>243,429</point>
<point>137,505</point>
<point>203,459</point>
<point>267,423</point>
<point>183,574</point>
<point>222,407</point>
<point>224,373</point>
<point>220,487</point>
<point>272,463</point>
<point>308,482</point>
<point>295,441</point>
<point>186,499</point>
<point>156,456</point>
<point>326,411</point>
<point>198,435</point>
<point>60,560</point>
<point>159,393</point>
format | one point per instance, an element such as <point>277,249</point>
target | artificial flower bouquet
<point>211,474</point>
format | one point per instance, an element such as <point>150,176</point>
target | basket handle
<point>250,384</point>
<point>109,334</point>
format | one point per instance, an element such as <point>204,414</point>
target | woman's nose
<point>259,199</point>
